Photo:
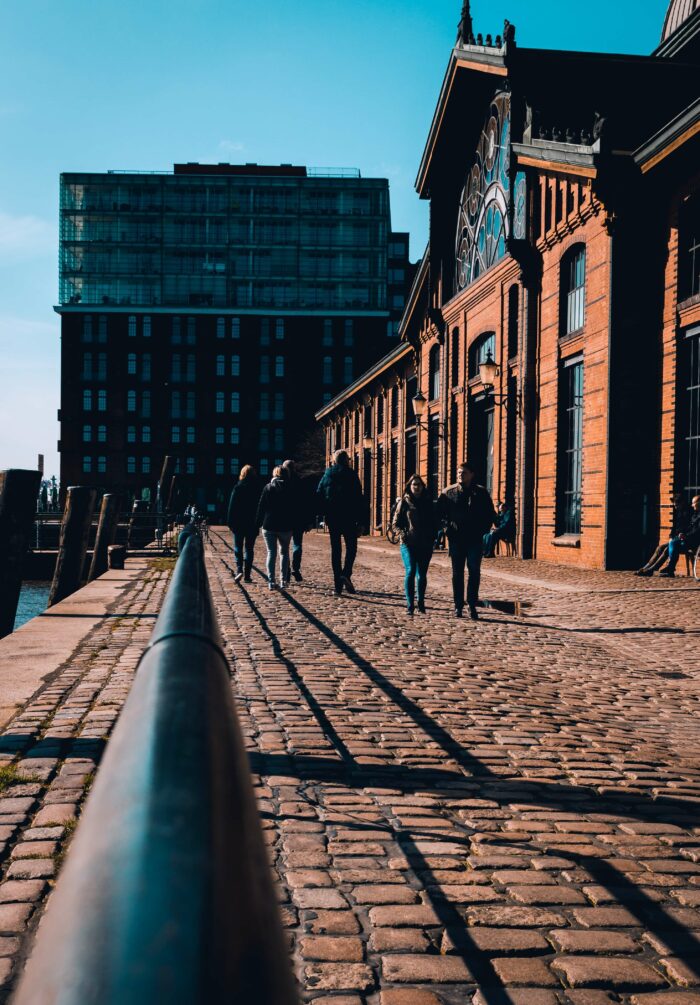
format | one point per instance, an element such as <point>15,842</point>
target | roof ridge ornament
<point>465,29</point>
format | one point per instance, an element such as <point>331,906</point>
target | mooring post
<point>75,530</point>
<point>106,532</point>
<point>18,492</point>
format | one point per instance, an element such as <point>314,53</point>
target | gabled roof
<point>399,352</point>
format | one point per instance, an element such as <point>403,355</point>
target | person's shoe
<point>421,607</point>
<point>285,584</point>
<point>668,573</point>
<point>338,588</point>
<point>298,578</point>
<point>458,612</point>
<point>473,613</point>
<point>410,610</point>
<point>271,585</point>
<point>347,583</point>
<point>247,578</point>
<point>238,577</point>
<point>644,572</point>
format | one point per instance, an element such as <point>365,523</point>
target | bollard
<point>75,528</point>
<point>18,491</point>
<point>116,555</point>
<point>106,532</point>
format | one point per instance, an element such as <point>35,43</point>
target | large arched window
<point>573,289</point>
<point>484,346</point>
<point>434,373</point>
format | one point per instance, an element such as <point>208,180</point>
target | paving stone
<point>405,996</point>
<point>608,972</point>
<point>517,996</point>
<point>568,940</point>
<point>332,949</point>
<point>425,968</point>
<point>338,977</point>
<point>522,971</point>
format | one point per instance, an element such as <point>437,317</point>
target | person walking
<point>341,504</point>
<point>241,521</point>
<point>275,516</point>
<point>414,519</point>
<point>300,512</point>
<point>467,511</point>
<point>687,541</point>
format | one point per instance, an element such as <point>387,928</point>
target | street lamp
<point>419,405</point>
<point>488,371</point>
<point>367,441</point>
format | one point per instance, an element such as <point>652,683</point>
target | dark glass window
<point>689,263</point>
<point>394,406</point>
<point>411,391</point>
<point>379,498</point>
<point>433,455</point>
<point>434,373</point>
<point>691,447</point>
<point>454,444</point>
<point>513,309</point>
<point>380,413</point>
<point>573,289</point>
<point>484,346</point>
<point>454,364</point>
<point>570,459</point>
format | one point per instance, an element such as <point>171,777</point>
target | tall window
<point>380,413</point>
<point>348,336</point>
<point>101,434</point>
<point>131,363</point>
<point>480,350</point>
<point>235,401</point>
<point>220,401</point>
<point>235,366</point>
<point>513,309</point>
<point>264,369</point>
<point>176,367</point>
<point>101,464</point>
<point>219,436</point>
<point>454,360</point>
<point>102,401</point>
<point>573,289</point>
<point>570,459</point>
<point>235,435</point>
<point>279,406</point>
<point>87,328</point>
<point>146,366</point>
<point>347,369</point>
<point>102,328</point>
<point>327,370</point>
<point>411,391</point>
<point>221,329</point>
<point>176,331</point>
<point>434,373</point>
<point>147,326</point>
<point>327,339</point>
<point>102,366</point>
<point>279,366</point>
<point>433,455</point>
<point>279,329</point>
<point>264,412</point>
<point>87,465</point>
<point>131,434</point>
<point>175,434</point>
<point>146,404</point>
<point>219,464</point>
<point>394,407</point>
<point>86,372</point>
<point>145,434</point>
<point>690,473</point>
<point>176,405</point>
<point>235,327</point>
<point>220,366</point>
<point>87,434</point>
<point>131,465</point>
<point>132,325</point>
<point>190,371</point>
<point>191,330</point>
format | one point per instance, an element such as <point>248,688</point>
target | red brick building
<point>554,324</point>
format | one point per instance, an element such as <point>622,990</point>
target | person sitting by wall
<point>679,524</point>
<point>503,529</point>
<point>686,542</point>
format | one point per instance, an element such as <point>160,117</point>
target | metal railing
<point>166,894</point>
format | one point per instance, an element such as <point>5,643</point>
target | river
<point>32,601</point>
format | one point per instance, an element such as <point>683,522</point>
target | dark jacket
<point>415,518</point>
<point>682,516</point>
<point>692,534</point>
<point>300,503</point>
<point>243,505</point>
<point>275,511</point>
<point>505,523</point>
<point>467,514</point>
<point>339,496</point>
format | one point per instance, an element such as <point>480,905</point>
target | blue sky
<point>99,85</point>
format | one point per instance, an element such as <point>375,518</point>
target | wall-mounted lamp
<point>419,406</point>
<point>367,442</point>
<point>489,371</point>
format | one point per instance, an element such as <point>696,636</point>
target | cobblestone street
<point>501,812</point>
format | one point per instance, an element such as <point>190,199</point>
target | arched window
<point>484,346</point>
<point>434,373</point>
<point>573,289</point>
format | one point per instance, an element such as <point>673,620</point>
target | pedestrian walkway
<point>501,812</point>
<point>87,649</point>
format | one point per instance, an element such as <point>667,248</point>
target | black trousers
<point>297,549</point>
<point>469,553</point>
<point>244,545</point>
<point>340,532</point>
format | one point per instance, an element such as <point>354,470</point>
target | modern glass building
<point>208,312</point>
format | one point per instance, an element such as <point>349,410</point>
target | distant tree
<point>310,453</point>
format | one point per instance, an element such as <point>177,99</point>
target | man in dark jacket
<point>301,511</point>
<point>467,511</point>
<point>340,502</point>
<point>688,541</point>
<point>241,520</point>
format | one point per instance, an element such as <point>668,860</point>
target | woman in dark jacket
<point>242,511</point>
<point>415,521</point>
<point>276,514</point>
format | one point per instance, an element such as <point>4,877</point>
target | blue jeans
<point>676,547</point>
<point>416,565</point>
<point>277,539</point>
<point>297,543</point>
<point>243,549</point>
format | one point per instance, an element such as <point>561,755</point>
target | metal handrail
<point>166,894</point>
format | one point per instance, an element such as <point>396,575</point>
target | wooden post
<point>164,481</point>
<point>106,532</point>
<point>18,493</point>
<point>75,529</point>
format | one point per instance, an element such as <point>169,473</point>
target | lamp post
<point>419,406</point>
<point>489,371</point>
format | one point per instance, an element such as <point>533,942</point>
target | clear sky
<point>140,84</point>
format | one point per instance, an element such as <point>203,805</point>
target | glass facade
<point>224,239</point>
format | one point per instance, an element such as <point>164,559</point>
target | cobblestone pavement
<point>48,755</point>
<point>491,813</point>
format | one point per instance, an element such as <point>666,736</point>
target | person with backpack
<point>341,504</point>
<point>466,510</point>
<point>414,519</point>
<point>241,521</point>
<point>275,516</point>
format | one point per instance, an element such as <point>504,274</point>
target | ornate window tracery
<point>483,224</point>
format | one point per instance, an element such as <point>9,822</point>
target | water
<point>32,601</point>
